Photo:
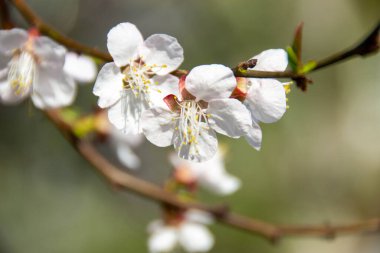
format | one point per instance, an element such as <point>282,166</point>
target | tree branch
<point>369,45</point>
<point>47,30</point>
<point>121,180</point>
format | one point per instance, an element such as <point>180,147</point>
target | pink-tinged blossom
<point>32,65</point>
<point>139,78</point>
<point>211,175</point>
<point>201,107</point>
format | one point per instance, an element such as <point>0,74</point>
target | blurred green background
<point>319,163</point>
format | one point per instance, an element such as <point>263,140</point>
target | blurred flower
<point>123,144</point>
<point>205,107</point>
<point>139,76</point>
<point>265,98</point>
<point>32,65</point>
<point>81,68</point>
<point>187,232</point>
<point>211,174</point>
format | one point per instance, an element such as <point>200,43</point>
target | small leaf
<point>293,61</point>
<point>84,126</point>
<point>309,66</point>
<point>297,42</point>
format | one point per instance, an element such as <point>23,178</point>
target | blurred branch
<point>369,45</point>
<point>47,30</point>
<point>121,180</point>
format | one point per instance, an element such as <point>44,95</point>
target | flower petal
<point>52,89</point>
<point>8,95</point>
<point>158,126</point>
<point>201,150</point>
<point>123,41</point>
<point>229,117</point>
<point>220,183</point>
<point>108,85</point>
<point>12,39</point>
<point>50,53</point>
<point>198,216</point>
<point>162,87</point>
<point>254,136</point>
<point>266,100</point>
<point>127,156</point>
<point>195,238</point>
<point>208,82</point>
<point>80,67</point>
<point>271,60</point>
<point>162,50</point>
<point>163,240</point>
<point>126,113</point>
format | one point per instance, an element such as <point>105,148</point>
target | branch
<point>121,180</point>
<point>47,30</point>
<point>369,45</point>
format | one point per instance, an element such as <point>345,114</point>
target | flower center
<point>22,71</point>
<point>190,123</point>
<point>137,77</point>
<point>137,85</point>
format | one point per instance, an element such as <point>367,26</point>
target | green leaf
<point>293,61</point>
<point>309,66</point>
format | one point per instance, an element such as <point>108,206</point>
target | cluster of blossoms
<point>141,96</point>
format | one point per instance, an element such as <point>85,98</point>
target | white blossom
<point>188,233</point>
<point>81,68</point>
<point>265,98</point>
<point>190,119</point>
<point>139,76</point>
<point>32,65</point>
<point>211,174</point>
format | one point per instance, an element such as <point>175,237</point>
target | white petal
<point>80,67</point>
<point>208,82</point>
<point>163,86</point>
<point>49,53</point>
<point>163,240</point>
<point>198,216</point>
<point>195,238</point>
<point>108,85</point>
<point>162,49</point>
<point>12,39</point>
<point>127,156</point>
<point>52,89</point>
<point>201,150</point>
<point>126,113</point>
<point>266,99</point>
<point>221,183</point>
<point>229,117</point>
<point>123,41</point>
<point>158,126</point>
<point>8,95</point>
<point>271,60</point>
<point>254,136</point>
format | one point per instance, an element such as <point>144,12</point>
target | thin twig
<point>46,29</point>
<point>124,181</point>
<point>365,47</point>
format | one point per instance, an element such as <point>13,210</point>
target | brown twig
<point>369,45</point>
<point>124,181</point>
<point>46,29</point>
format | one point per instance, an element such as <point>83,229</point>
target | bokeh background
<point>319,163</point>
